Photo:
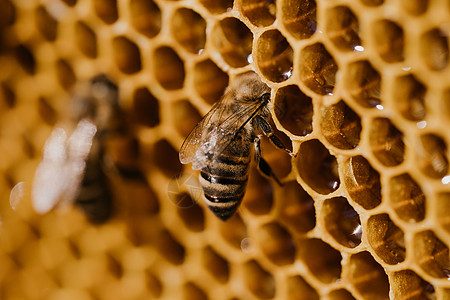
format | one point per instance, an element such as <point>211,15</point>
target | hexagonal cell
<point>444,107</point>
<point>442,209</point>
<point>294,110</point>
<point>274,56</point>
<point>276,243</point>
<point>363,182</point>
<point>217,6</point>
<point>431,254</point>
<point>65,74</point>
<point>145,17</point>
<point>259,281</point>
<point>299,17</point>
<point>46,111</point>
<point>86,39</point>
<point>233,40</point>
<point>145,108</point>
<point>317,167</point>
<point>299,289</point>
<point>70,2</point>
<point>415,7</point>
<point>185,116</point>
<point>386,142</point>
<point>434,49</point>
<point>7,95</point>
<point>258,12</point>
<point>189,30</point>
<point>165,157</point>
<point>407,284</point>
<point>372,2</point>
<point>7,13</point>
<point>153,283</point>
<point>409,95</point>
<point>367,276</point>
<point>25,58</point>
<point>169,248</point>
<point>106,10</point>
<point>363,83</point>
<point>342,27</point>
<point>432,156</point>
<point>340,295</point>
<point>46,24</point>
<point>168,68</point>
<point>323,261</point>
<point>297,211</point>
<point>191,291</point>
<point>386,239</point>
<point>259,196</point>
<point>388,40</point>
<point>407,198</point>
<point>215,264</point>
<point>342,222</point>
<point>210,81</point>
<point>234,231</point>
<point>126,55</point>
<point>317,69</point>
<point>340,125</point>
<point>190,213</point>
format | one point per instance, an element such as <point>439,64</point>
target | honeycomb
<point>360,89</point>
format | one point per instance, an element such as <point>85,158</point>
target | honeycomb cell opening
<point>259,196</point>
<point>368,277</point>
<point>340,125</point>
<point>106,10</point>
<point>386,239</point>
<point>25,58</point>
<point>168,68</point>
<point>191,291</point>
<point>409,96</point>
<point>7,95</point>
<point>388,40</point>
<point>190,213</point>
<point>431,254</point>
<point>317,69</point>
<point>127,55</point>
<point>294,110</point>
<point>210,81</point>
<point>323,261</point>
<point>46,111</point>
<point>407,198</point>
<point>185,116</point>
<point>407,283</point>
<point>217,6</point>
<point>258,12</point>
<point>276,243</point>
<point>145,108</point>
<point>189,30</point>
<point>65,74</point>
<point>340,295</point>
<point>342,28</point>
<point>70,2</point>
<point>233,40</point>
<point>274,56</point>
<point>342,222</point>
<point>165,157</point>
<point>234,231</point>
<point>373,2</point>
<point>364,84</point>
<point>386,142</point>
<point>434,49</point>
<point>317,167</point>
<point>297,210</point>
<point>153,283</point>
<point>415,7</point>
<point>215,264</point>
<point>259,281</point>
<point>442,209</point>
<point>145,17</point>
<point>46,24</point>
<point>299,289</point>
<point>363,182</point>
<point>432,156</point>
<point>86,39</point>
<point>169,248</point>
<point>299,17</point>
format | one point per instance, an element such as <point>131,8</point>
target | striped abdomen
<point>224,180</point>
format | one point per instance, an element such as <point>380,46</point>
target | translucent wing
<point>216,130</point>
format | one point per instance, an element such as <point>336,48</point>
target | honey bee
<point>73,168</point>
<point>220,145</point>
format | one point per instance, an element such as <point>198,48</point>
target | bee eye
<point>265,97</point>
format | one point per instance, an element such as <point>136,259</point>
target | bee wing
<point>216,130</point>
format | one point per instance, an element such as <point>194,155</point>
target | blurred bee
<point>73,168</point>
<point>220,144</point>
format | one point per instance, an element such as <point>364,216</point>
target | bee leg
<point>267,130</point>
<point>262,164</point>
